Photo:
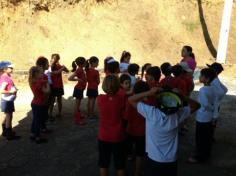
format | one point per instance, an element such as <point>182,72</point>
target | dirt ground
<point>72,149</point>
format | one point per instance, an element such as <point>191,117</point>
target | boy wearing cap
<point>8,95</point>
<point>220,90</point>
<point>161,132</point>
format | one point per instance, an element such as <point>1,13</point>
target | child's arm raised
<point>133,100</point>
<point>73,77</point>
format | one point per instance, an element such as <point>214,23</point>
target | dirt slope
<point>153,31</point>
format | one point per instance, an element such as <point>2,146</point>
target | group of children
<point>139,117</point>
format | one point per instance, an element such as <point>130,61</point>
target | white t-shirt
<point>123,67</point>
<point>220,91</point>
<point>162,132</point>
<point>133,80</point>
<point>206,98</point>
<point>49,73</point>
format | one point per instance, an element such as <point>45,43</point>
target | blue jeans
<point>38,119</point>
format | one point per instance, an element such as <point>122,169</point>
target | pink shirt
<point>190,61</point>
<point>5,78</point>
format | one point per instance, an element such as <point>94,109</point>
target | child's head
<point>133,69</point>
<point>125,82</point>
<point>168,102</point>
<point>35,73</point>
<point>166,69</point>
<point>7,67</point>
<point>140,87</point>
<point>177,70</point>
<point>207,75</point>
<point>92,62</point>
<point>145,67</point>
<point>113,67</point>
<point>217,67</point>
<point>55,59</point>
<point>153,74</point>
<point>187,51</point>
<point>111,84</point>
<point>78,62</point>
<point>125,57</point>
<point>42,62</point>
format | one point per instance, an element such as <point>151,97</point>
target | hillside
<point>152,30</point>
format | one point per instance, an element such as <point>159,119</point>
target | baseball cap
<point>6,64</point>
<point>168,102</point>
<point>216,66</point>
<point>185,67</point>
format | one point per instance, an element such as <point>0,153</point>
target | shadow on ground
<point>72,149</point>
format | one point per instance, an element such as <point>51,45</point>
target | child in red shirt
<point>41,90</point>
<point>57,89</point>
<point>79,76</point>
<point>168,81</point>
<point>145,67</point>
<point>136,129</point>
<point>93,80</point>
<point>111,133</point>
<point>178,82</point>
<point>43,63</point>
<point>153,75</point>
<point>125,86</point>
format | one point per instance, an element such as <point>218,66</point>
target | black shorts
<point>57,92</point>
<point>78,93</point>
<point>92,93</point>
<point>111,149</point>
<point>136,145</point>
<point>7,106</point>
<point>154,168</point>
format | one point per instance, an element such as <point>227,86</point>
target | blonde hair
<point>32,74</point>
<point>111,84</point>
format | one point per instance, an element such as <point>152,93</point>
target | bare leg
<point>104,172</point>
<point>90,106</point>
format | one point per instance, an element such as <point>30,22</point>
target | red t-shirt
<point>167,82</point>
<point>57,78</point>
<point>180,84</point>
<point>82,82</point>
<point>153,83</point>
<point>111,112</point>
<point>92,78</point>
<point>7,79</point>
<point>136,122</point>
<point>40,98</point>
<point>188,81</point>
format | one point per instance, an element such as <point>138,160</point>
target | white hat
<point>185,67</point>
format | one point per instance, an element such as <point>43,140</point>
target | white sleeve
<point>183,114</point>
<point>145,110</point>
